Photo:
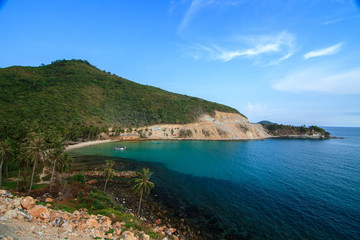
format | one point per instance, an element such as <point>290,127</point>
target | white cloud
<point>256,107</point>
<point>271,49</point>
<point>197,5</point>
<point>332,21</point>
<point>257,110</point>
<point>324,52</point>
<point>325,80</point>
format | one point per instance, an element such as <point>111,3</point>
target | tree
<point>108,171</point>
<point>143,184</point>
<point>63,165</point>
<point>5,149</point>
<point>36,151</point>
<point>57,154</point>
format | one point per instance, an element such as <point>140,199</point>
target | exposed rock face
<point>223,126</point>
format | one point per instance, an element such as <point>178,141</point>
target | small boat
<point>120,148</point>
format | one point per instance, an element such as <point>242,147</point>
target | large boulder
<point>28,203</point>
<point>39,212</point>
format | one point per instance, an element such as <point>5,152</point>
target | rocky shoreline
<point>151,211</point>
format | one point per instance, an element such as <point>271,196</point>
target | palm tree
<point>5,149</point>
<point>108,171</point>
<point>63,165</point>
<point>57,155</point>
<point>143,184</point>
<point>36,151</point>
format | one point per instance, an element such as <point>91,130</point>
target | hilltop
<point>74,92</point>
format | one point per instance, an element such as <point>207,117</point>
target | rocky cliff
<point>221,126</point>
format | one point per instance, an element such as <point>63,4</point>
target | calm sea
<point>272,189</point>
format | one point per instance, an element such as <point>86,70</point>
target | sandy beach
<point>86,144</point>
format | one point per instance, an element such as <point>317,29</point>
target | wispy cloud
<point>197,5</point>
<point>321,79</point>
<point>332,21</point>
<point>258,110</point>
<point>324,52</point>
<point>271,49</point>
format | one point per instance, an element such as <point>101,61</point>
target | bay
<point>272,189</point>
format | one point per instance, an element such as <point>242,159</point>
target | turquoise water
<point>272,189</point>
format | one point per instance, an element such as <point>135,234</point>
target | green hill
<point>73,92</point>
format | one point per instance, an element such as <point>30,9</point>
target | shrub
<point>77,178</point>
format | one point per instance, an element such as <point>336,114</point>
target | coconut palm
<point>36,151</point>
<point>57,154</point>
<point>5,149</point>
<point>63,165</point>
<point>108,171</point>
<point>143,184</point>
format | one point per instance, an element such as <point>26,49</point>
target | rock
<point>92,223</point>
<point>10,214</point>
<point>58,222</point>
<point>3,219</point>
<point>5,193</point>
<point>24,214</point>
<point>76,213</point>
<point>39,212</point>
<point>158,222</point>
<point>49,200</point>
<point>145,237</point>
<point>170,231</point>
<point>105,221</point>
<point>28,203</point>
<point>16,203</point>
<point>3,208</point>
<point>175,237</point>
<point>67,227</point>
<point>129,235</point>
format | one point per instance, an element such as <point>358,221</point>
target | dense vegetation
<point>283,130</point>
<point>73,95</point>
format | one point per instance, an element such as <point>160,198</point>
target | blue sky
<point>291,62</point>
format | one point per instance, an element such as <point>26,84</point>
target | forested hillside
<point>70,93</point>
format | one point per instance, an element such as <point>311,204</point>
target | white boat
<point>122,148</point>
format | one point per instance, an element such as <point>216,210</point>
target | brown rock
<point>129,235</point>
<point>92,223</point>
<point>105,221</point>
<point>49,200</point>
<point>175,237</point>
<point>158,222</point>
<point>28,203</point>
<point>170,231</point>
<point>39,212</point>
<point>145,237</point>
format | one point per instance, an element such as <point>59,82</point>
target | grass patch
<point>66,207</point>
<point>39,186</point>
<point>8,185</point>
